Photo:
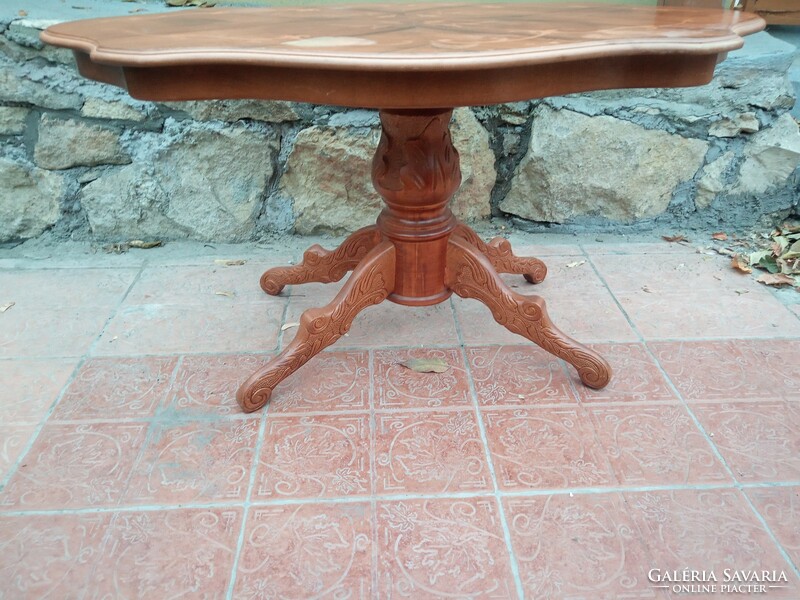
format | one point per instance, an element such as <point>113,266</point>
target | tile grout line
<point>237,554</point>
<point>736,484</point>
<point>513,563</point>
<point>73,375</point>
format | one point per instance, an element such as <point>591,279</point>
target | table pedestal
<point>417,254</point>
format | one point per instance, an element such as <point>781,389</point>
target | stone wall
<point>82,160</point>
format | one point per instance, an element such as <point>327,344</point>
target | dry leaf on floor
<point>144,245</point>
<point>225,293</point>
<point>286,326</point>
<point>720,235</point>
<point>426,365</point>
<point>6,306</point>
<point>115,248</point>
<point>777,279</point>
<point>577,263</point>
<point>740,263</point>
<point>230,262</point>
<point>22,13</point>
<point>674,238</point>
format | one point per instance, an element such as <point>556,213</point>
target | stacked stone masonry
<point>82,160</point>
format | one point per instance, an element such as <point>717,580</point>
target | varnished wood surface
<point>403,56</point>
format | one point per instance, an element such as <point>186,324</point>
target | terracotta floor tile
<point>584,546</point>
<point>638,250</point>
<point>314,456</point>
<point>386,324</point>
<point>583,318</point>
<point>545,448</point>
<point>332,381</point>
<point>50,332</point>
<point>442,548</point>
<point>735,369</point>
<point>56,288</point>
<point>518,376</point>
<point>706,530</point>
<point>200,461</point>
<point>780,507</point>
<point>29,387</point>
<point>307,551</point>
<point>429,452</point>
<point>655,445</point>
<point>13,441</point>
<point>758,440</point>
<point>116,388</point>
<point>49,556</point>
<point>397,386</point>
<point>75,466</point>
<point>186,553</point>
<point>205,386</point>
<point>676,273</point>
<point>173,329</point>
<point>635,377</point>
<point>212,284</point>
<point>708,314</point>
<point>523,247</point>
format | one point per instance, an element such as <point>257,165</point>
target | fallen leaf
<point>22,13</point>
<point>230,262</point>
<point>740,263</point>
<point>757,257</point>
<point>426,365</point>
<point>777,279</point>
<point>674,238</point>
<point>144,245</point>
<point>740,292</point>
<point>720,235</point>
<point>286,326</point>
<point>577,263</point>
<point>6,306</point>
<point>116,248</point>
<point>225,293</point>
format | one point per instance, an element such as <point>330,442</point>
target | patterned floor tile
<point>199,461</point>
<point>116,388</point>
<point>732,369</point>
<point>518,376</point>
<point>75,466</point>
<point>429,452</point>
<point>780,507</point>
<point>545,448</point>
<point>200,284</point>
<point>205,386</point>
<point>584,546</point>
<point>441,548</point>
<point>334,381</point>
<point>49,556</point>
<point>758,440</point>
<point>13,441</point>
<point>67,287</point>
<point>720,313</point>
<point>397,386</point>
<point>29,387</point>
<point>635,377</point>
<point>707,530</point>
<point>174,329</point>
<point>314,456</point>
<point>186,553</point>
<point>308,551</point>
<point>655,445</point>
<point>29,332</point>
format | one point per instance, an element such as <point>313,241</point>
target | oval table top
<point>403,56</point>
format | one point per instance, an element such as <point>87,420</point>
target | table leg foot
<point>371,282</point>
<point>470,274</point>
<point>502,257</point>
<point>323,266</point>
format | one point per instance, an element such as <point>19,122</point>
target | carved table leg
<point>371,282</point>
<point>470,275</point>
<point>502,257</point>
<point>323,266</point>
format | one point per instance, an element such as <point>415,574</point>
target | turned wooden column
<point>416,171</point>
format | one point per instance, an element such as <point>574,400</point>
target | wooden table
<point>414,63</point>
